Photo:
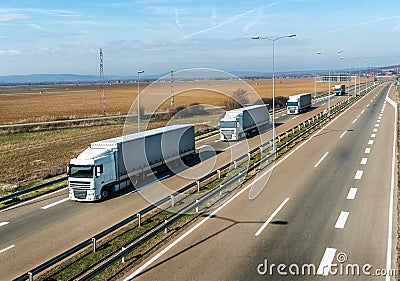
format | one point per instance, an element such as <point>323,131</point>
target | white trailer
<point>109,165</point>
<point>298,103</point>
<point>238,122</point>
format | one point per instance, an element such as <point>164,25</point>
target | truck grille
<point>79,184</point>
<point>227,134</point>
<point>80,194</point>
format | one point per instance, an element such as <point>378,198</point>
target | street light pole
<point>329,79</point>
<point>273,81</point>
<point>138,86</point>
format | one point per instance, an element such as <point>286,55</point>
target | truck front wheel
<point>105,193</point>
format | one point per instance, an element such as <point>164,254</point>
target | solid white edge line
<point>6,249</point>
<point>55,203</point>
<point>341,221</point>
<point>326,263</point>
<point>390,218</point>
<point>352,193</point>
<point>320,160</point>
<point>363,161</point>
<point>4,223</point>
<point>184,235</point>
<point>271,217</point>
<point>358,175</point>
<point>342,135</point>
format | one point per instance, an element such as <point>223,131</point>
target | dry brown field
<point>22,105</point>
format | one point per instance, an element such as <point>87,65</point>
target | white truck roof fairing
<point>232,114</point>
<point>91,153</point>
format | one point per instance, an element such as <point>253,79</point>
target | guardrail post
<point>279,138</point>
<point>239,176</point>
<point>30,275</point>
<point>293,130</point>
<point>197,207</point>
<point>172,201</point>
<point>219,173</point>
<point>299,127</point>
<point>287,134</point>
<point>166,229</point>
<point>248,155</point>
<point>139,216</point>
<point>198,186</point>
<point>220,189</point>
<point>123,258</point>
<point>94,244</point>
<point>234,163</point>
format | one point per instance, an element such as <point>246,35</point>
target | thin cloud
<point>11,17</point>
<point>213,19</point>
<point>228,21</point>
<point>359,24</point>
<point>36,26</point>
<point>10,52</point>
<point>253,22</point>
<point>178,22</point>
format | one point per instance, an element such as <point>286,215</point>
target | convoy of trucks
<point>298,103</point>
<point>239,122</point>
<point>340,90</point>
<point>113,164</point>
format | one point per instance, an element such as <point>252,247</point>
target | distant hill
<point>37,79</point>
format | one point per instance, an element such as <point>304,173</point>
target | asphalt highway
<point>326,213</point>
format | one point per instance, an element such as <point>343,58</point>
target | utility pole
<point>102,98</point>
<point>172,89</point>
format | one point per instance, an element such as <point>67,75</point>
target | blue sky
<point>61,36</point>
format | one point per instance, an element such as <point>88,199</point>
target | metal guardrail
<point>14,195</point>
<point>159,228</point>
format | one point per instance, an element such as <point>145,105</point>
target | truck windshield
<point>227,124</point>
<point>81,171</point>
<point>292,104</point>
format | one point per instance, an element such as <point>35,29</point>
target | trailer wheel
<point>105,193</point>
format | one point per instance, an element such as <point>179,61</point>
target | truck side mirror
<point>99,170</point>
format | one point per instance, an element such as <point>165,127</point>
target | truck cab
<point>90,174</point>
<point>230,128</point>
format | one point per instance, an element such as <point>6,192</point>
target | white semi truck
<point>113,164</point>
<point>340,90</point>
<point>238,122</point>
<point>298,103</point>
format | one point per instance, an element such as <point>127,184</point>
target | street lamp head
<point>339,52</point>
<point>255,37</point>
<point>140,71</point>
<point>319,53</point>
<point>291,35</point>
